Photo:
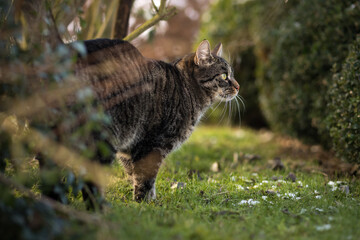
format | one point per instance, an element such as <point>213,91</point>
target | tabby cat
<point>154,106</point>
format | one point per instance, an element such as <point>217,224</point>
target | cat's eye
<point>224,76</point>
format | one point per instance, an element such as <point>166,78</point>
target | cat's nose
<point>236,85</point>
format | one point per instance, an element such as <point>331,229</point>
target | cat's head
<point>214,73</point>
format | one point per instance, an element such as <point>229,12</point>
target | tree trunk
<point>122,18</point>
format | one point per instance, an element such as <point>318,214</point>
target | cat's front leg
<point>144,176</point>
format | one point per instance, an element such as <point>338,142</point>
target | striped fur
<point>154,106</point>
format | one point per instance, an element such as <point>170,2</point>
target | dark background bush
<point>344,107</point>
<point>285,56</point>
<point>247,33</point>
<point>311,40</point>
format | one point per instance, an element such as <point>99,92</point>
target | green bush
<point>344,107</point>
<point>294,82</point>
<point>43,113</point>
<point>298,47</point>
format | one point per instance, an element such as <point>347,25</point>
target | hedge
<point>343,120</point>
<point>312,39</point>
<point>298,47</point>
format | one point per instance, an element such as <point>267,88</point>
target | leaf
<point>215,167</point>
<point>178,185</point>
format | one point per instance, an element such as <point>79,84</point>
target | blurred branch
<point>99,18</point>
<point>163,13</point>
<point>56,30</point>
<point>109,15</point>
<point>122,18</point>
<point>63,156</point>
<point>72,213</point>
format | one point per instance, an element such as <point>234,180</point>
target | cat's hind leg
<point>144,173</point>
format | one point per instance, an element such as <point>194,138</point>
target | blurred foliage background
<point>297,62</point>
<point>291,61</point>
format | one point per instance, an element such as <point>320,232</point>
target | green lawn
<point>243,199</point>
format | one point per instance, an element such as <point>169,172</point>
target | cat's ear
<point>217,51</point>
<point>203,53</point>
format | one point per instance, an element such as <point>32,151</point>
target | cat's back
<point>103,43</point>
<point>112,67</point>
<point>104,50</point>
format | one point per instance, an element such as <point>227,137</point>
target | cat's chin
<point>226,98</point>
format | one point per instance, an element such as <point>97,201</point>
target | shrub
<point>344,107</point>
<point>294,82</point>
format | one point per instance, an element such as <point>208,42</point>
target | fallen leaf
<point>235,157</point>
<point>286,211</point>
<point>196,173</point>
<point>270,192</point>
<point>291,177</point>
<point>345,189</point>
<point>215,167</point>
<point>252,157</point>
<point>275,178</point>
<point>277,164</point>
<point>178,185</point>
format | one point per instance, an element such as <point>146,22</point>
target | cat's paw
<point>145,191</point>
<point>151,195</point>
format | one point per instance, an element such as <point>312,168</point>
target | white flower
<point>250,202</point>
<point>290,195</point>
<point>319,209</point>
<point>242,202</point>
<point>264,197</point>
<point>331,183</point>
<point>233,178</point>
<point>318,197</point>
<point>253,202</point>
<point>239,187</point>
<point>210,180</point>
<point>323,227</point>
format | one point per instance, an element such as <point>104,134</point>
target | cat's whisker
<point>239,110</point>
<point>217,105</point>
<point>242,101</point>
<point>223,113</point>
<point>230,112</point>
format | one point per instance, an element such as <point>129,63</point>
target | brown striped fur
<point>154,106</point>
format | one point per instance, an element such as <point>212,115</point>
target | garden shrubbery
<point>312,39</point>
<point>344,107</point>
<point>43,112</point>
<point>299,46</point>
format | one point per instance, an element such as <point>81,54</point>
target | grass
<point>194,202</point>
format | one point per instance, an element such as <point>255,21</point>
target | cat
<point>154,106</point>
